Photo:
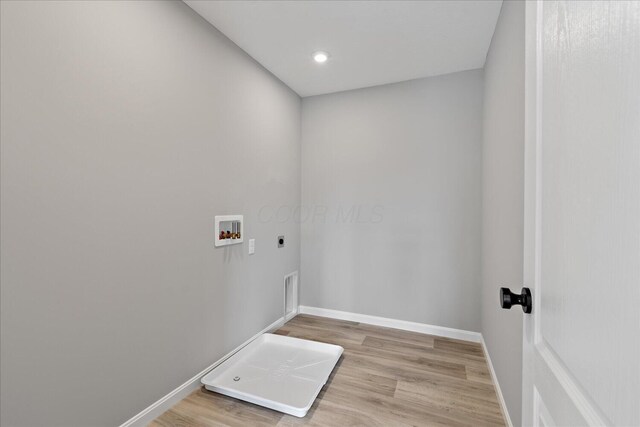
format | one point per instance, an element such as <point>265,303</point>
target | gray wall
<point>391,189</point>
<point>503,199</point>
<point>126,126</point>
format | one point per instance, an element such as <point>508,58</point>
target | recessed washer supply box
<point>229,230</point>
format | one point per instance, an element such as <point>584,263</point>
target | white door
<point>582,213</point>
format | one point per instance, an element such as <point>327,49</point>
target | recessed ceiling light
<point>320,57</point>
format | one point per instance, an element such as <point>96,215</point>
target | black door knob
<point>508,298</point>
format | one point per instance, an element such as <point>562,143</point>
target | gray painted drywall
<point>126,126</point>
<point>503,200</point>
<point>391,190</point>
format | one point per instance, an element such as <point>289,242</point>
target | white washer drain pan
<point>278,372</point>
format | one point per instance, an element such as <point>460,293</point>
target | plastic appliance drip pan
<point>278,372</point>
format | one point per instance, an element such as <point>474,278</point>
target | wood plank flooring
<point>386,377</point>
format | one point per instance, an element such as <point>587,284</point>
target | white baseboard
<point>422,328</point>
<point>291,315</point>
<point>158,408</point>
<point>494,378</point>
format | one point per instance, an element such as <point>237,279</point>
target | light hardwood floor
<point>386,377</point>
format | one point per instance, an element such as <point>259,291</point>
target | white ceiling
<point>370,42</point>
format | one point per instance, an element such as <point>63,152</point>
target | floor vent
<point>290,295</point>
